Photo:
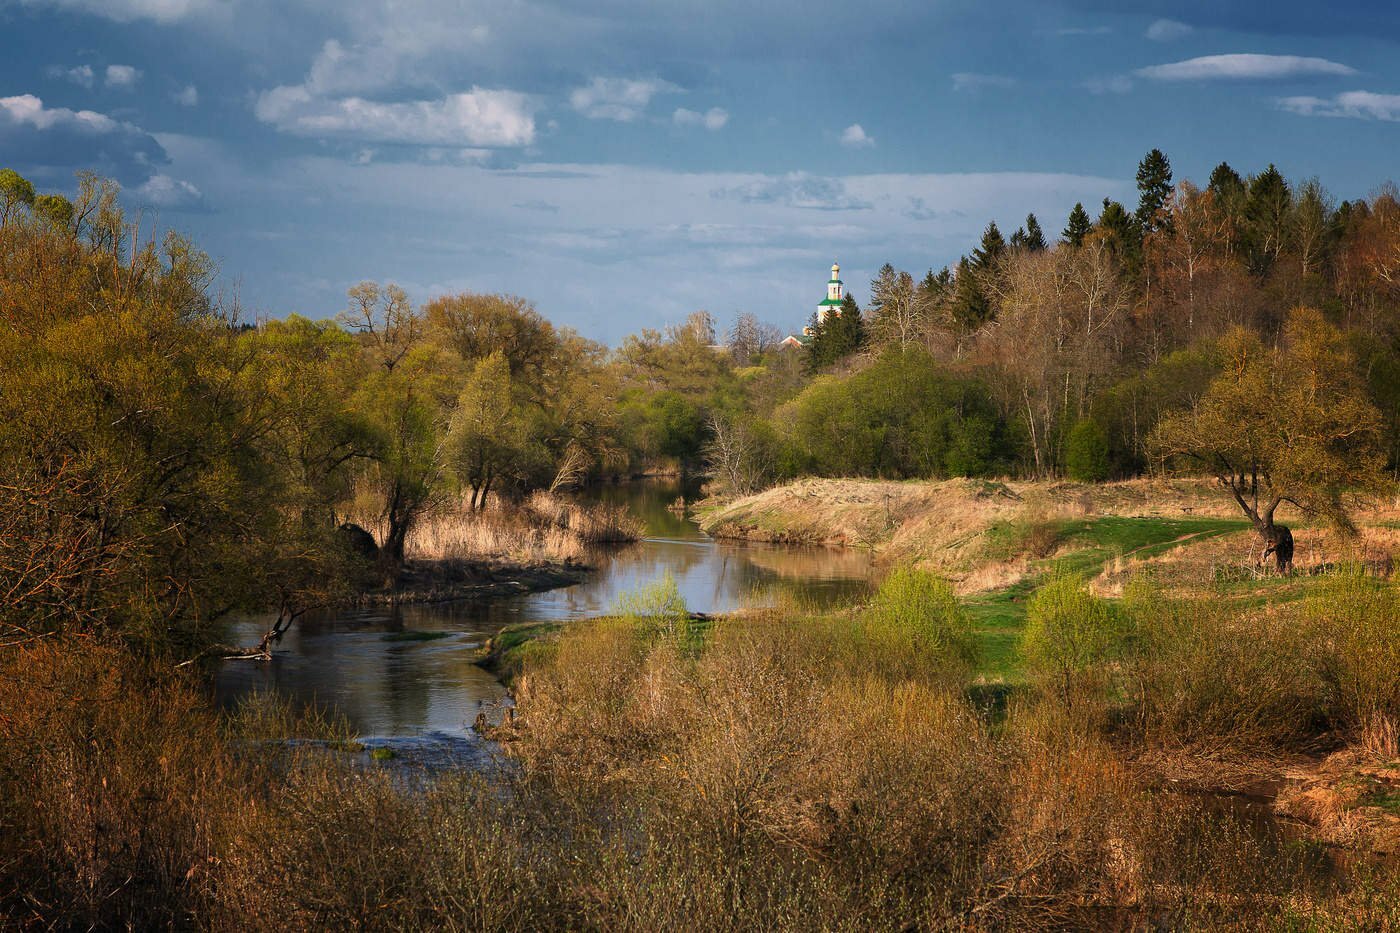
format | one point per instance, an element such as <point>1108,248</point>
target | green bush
<point>915,617</point>
<point>1086,452</point>
<point>1069,630</point>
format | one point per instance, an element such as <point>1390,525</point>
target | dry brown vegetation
<point>950,527</point>
<point>544,529</point>
<point>779,770</point>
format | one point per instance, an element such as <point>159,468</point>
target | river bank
<point>451,580</point>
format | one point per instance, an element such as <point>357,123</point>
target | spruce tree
<point>1035,237</point>
<point>990,249</point>
<point>846,330</point>
<point>1154,182</point>
<point>1123,233</point>
<point>1225,182</point>
<point>1266,216</point>
<point>971,308</point>
<point>1078,227</point>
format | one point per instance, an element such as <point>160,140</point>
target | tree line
<point>163,463</point>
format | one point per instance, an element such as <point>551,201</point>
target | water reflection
<point>407,673</point>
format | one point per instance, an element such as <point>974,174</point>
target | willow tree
<point>1290,424</point>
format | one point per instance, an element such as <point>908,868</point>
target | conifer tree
<point>1154,182</point>
<point>1123,233</point>
<point>991,248</point>
<point>971,308</point>
<point>1035,237</point>
<point>1078,227</point>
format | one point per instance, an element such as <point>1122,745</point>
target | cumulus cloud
<point>1168,30</point>
<point>172,193</point>
<point>973,81</point>
<point>80,75</point>
<point>187,96</point>
<point>1360,105</point>
<point>621,99</point>
<point>1244,66</point>
<point>122,77</point>
<point>713,119</point>
<point>479,117</point>
<point>53,138</point>
<point>855,137</point>
<point>124,11</point>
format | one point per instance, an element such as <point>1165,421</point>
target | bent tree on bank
<point>1290,423</point>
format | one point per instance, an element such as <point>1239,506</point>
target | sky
<point>622,163</point>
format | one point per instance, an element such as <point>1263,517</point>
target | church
<point>831,304</point>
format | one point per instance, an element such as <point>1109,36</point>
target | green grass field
<point>1088,545</point>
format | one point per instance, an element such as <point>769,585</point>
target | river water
<point>404,677</point>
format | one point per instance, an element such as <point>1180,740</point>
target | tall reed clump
<point>546,527</point>
<point>1354,623</point>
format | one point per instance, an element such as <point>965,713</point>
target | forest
<point>167,465</point>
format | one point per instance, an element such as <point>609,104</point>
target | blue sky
<point>624,162</point>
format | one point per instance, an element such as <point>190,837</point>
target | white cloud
<point>122,77</point>
<point>855,137</point>
<point>713,119</point>
<point>1243,66</point>
<point>1168,30</point>
<point>973,81</point>
<point>164,191</point>
<point>1361,105</point>
<point>479,117</point>
<point>187,96</point>
<point>80,75</point>
<point>26,109</point>
<point>53,138</point>
<point>622,99</point>
<point>1111,84</point>
<point>124,11</point>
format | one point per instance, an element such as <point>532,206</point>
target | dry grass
<point>783,769</point>
<point>545,529</point>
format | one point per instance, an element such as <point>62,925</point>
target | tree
<point>489,434</point>
<point>1266,214</point>
<point>1086,452</point>
<point>1078,226</point>
<point>55,209</point>
<point>385,320</point>
<point>839,335</point>
<point>1288,424</point>
<point>1122,234</point>
<point>989,250</point>
<point>15,192</point>
<point>1035,237</point>
<point>476,326</point>
<point>740,454</point>
<point>1154,182</point>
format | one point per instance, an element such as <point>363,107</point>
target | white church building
<point>831,304</point>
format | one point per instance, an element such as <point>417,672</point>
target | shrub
<point>1213,673</point>
<point>1086,452</point>
<point>1069,630</point>
<point>1355,623</point>
<point>916,619</point>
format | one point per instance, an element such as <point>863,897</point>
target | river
<point>405,678</point>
